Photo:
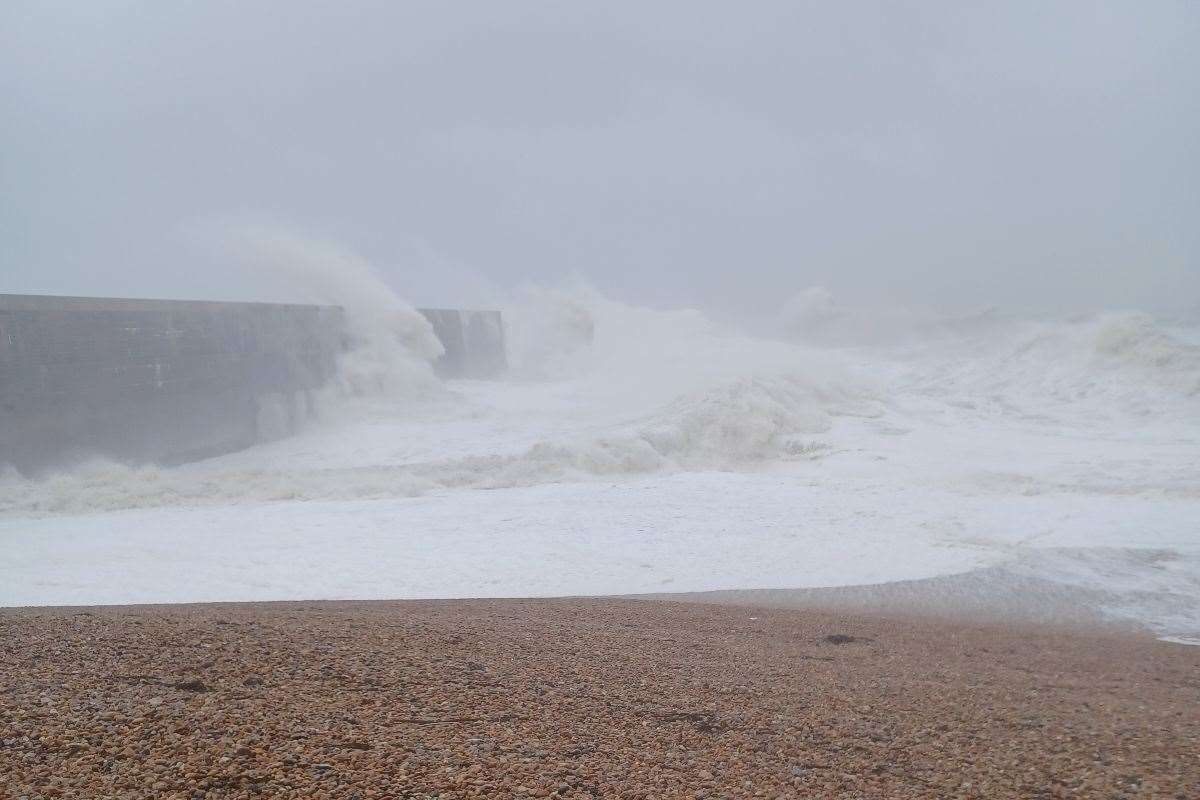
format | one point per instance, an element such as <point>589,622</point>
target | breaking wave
<point>978,433</point>
<point>1104,369</point>
<point>391,345</point>
<point>731,426</point>
<point>601,389</point>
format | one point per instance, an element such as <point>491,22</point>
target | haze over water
<point>796,297</point>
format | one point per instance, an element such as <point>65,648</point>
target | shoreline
<point>1002,594</point>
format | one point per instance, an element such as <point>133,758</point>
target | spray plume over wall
<point>391,344</point>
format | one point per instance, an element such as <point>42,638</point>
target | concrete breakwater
<point>169,381</point>
<point>473,342</point>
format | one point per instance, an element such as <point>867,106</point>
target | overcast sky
<point>1037,155</point>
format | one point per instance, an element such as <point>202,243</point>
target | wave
<point>633,391</point>
<point>603,389</point>
<point>1116,368</point>
<point>730,426</point>
<point>1105,364</point>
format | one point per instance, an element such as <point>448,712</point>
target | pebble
<point>582,698</point>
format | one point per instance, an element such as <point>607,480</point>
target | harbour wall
<point>168,381</point>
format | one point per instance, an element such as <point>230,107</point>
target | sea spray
<point>650,391</point>
<point>390,345</point>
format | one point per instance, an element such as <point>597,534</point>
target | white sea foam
<point>631,446</point>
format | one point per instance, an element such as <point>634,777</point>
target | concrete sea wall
<point>170,381</point>
<point>474,342</point>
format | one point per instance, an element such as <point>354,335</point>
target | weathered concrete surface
<point>150,380</point>
<point>168,381</point>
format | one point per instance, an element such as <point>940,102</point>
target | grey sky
<point>1040,155</point>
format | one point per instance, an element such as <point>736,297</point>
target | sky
<point>1037,156</point>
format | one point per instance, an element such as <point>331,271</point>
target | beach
<point>584,698</point>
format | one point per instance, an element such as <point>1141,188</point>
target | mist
<point>614,399</point>
<point>1023,156</point>
<point>895,282</point>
